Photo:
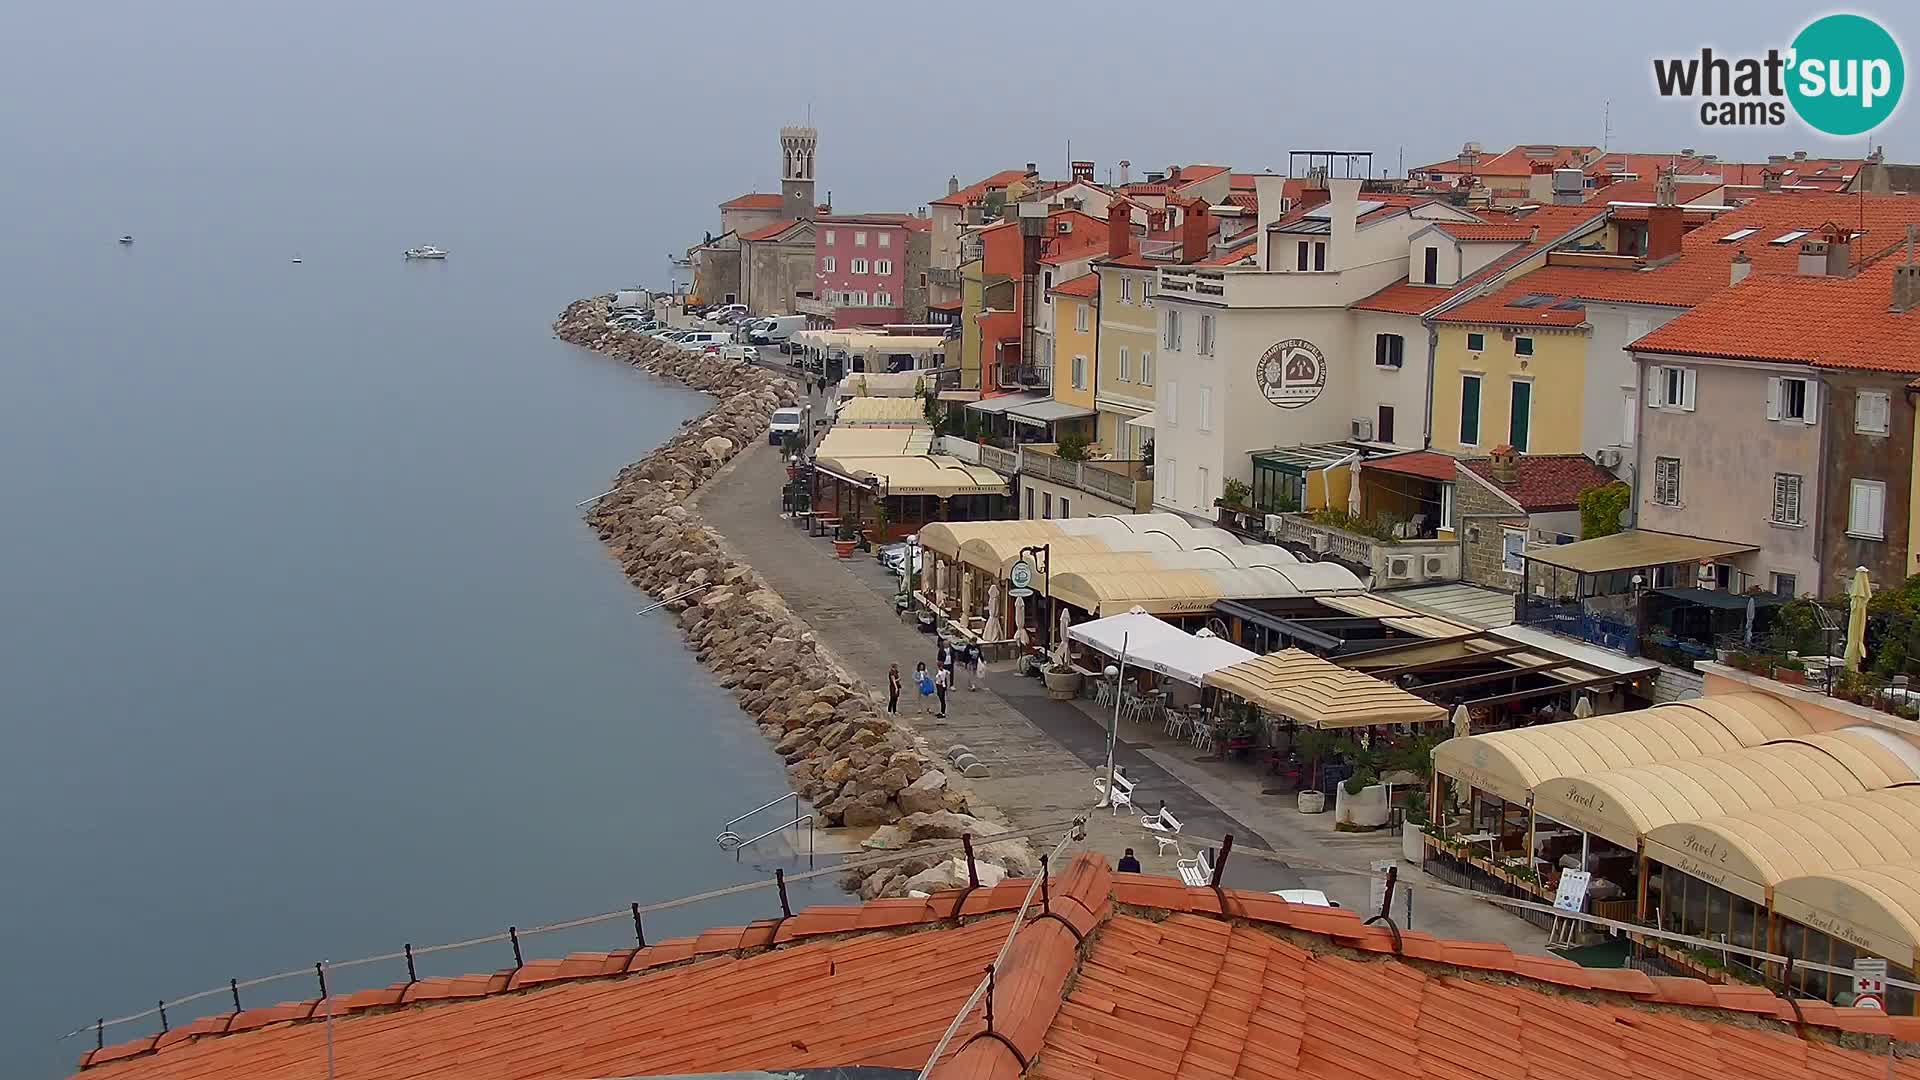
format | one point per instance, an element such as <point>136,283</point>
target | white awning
<point>1003,403</point>
<point>1046,411</point>
<point>1159,646</point>
<point>1142,422</point>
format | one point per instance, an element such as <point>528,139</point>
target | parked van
<point>784,422</point>
<point>777,329</point>
<point>702,339</point>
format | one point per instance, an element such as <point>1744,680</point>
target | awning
<point>1720,598</point>
<point>852,442</point>
<point>1873,908</point>
<point>1142,422</point>
<point>1190,592</point>
<point>994,406</point>
<point>1424,464</point>
<point>1749,853</point>
<point>1159,646</point>
<point>1048,410</point>
<point>889,411</point>
<point>1319,693</point>
<point>1631,550</point>
<point>923,475</point>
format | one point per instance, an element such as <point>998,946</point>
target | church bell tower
<point>797,146</point>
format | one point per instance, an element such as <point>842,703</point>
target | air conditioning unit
<point>1273,524</point>
<point>1063,226</point>
<point>1606,458</point>
<point>1319,542</point>
<point>1432,566</point>
<point>1362,429</point>
<point>1399,567</point>
<point>1704,576</point>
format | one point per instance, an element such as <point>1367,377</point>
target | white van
<point>699,340</point>
<point>777,329</point>
<point>784,422</point>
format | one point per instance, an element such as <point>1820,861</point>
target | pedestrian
<point>924,683</point>
<point>942,679</point>
<point>1128,864</point>
<point>893,689</point>
<point>976,670</point>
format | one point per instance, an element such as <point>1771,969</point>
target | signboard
<point>1869,980</point>
<point>1869,1001</point>
<point>1572,895</point>
<point>1380,867</point>
<point>1292,373</point>
<point>1020,580</point>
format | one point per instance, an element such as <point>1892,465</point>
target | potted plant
<point>877,532</point>
<point>1063,682</point>
<point>844,542</point>
<point>1413,822</point>
<point>1361,802</point>
<point>1792,671</point>
<point>1313,744</point>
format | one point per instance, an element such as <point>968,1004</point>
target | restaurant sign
<point>1292,373</point>
<point>1020,580</point>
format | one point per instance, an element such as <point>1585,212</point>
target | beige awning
<point>1319,693</point>
<point>1631,550</point>
<point>1876,908</point>
<point>1509,764</point>
<point>850,442</point>
<point>1749,853</point>
<point>924,475</point>
<point>888,411</point>
<point>1190,591</point>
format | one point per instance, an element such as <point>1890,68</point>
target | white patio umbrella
<point>1747,634</point>
<point>1060,646</point>
<point>1583,708</point>
<point>966,591</point>
<point>1462,724</point>
<point>940,586</point>
<point>927,563</point>
<point>992,631</point>
<point>1858,594</point>
<point>1020,621</point>
<point>1353,490</point>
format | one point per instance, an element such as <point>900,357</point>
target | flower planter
<point>1062,685</point>
<point>843,549</point>
<point>1311,802</point>
<point>1413,843</point>
<point>1790,676</point>
<point>793,472</point>
<point>1367,810</point>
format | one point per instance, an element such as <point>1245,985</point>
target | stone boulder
<point>926,795</point>
<point>945,825</point>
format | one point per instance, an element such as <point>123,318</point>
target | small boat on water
<point>427,251</point>
<point>128,239</point>
<point>296,259</point>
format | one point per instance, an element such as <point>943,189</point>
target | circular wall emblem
<point>1292,373</point>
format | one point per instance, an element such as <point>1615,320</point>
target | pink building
<point>870,267</point>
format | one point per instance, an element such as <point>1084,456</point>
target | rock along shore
<point>855,764</point>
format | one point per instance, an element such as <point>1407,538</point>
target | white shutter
<point>1686,389</point>
<point>1173,403</point>
<point>1655,375</point>
<point>1813,402</point>
<point>1863,411</point>
<point>1773,399</point>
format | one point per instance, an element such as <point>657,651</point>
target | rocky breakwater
<point>844,754</point>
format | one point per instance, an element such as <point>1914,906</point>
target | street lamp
<point>1112,674</point>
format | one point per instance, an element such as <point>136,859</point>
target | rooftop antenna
<point>1606,127</point>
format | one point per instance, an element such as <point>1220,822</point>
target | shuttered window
<point>1786,498</point>
<point>1666,481</point>
<point>1867,513</point>
<point>1872,413</point>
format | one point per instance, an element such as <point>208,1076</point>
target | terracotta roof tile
<point>1087,284</point>
<point>1830,322</point>
<point>1545,482</point>
<point>1422,463</point>
<point>973,193</point>
<point>1531,233</point>
<point>756,201</point>
<point>768,232</point>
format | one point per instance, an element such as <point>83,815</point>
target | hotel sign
<point>1292,373</point>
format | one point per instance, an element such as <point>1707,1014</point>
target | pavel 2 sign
<point>1292,373</point>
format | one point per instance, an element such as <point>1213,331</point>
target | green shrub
<point>1601,507</point>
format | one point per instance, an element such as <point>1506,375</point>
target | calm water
<point>306,652</point>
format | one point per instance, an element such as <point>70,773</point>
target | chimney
<point>1314,191</point>
<point>1839,253</point>
<point>1083,171</point>
<point>1344,206</point>
<point>1173,174</point>
<point>1156,220</point>
<point>1665,224</point>
<point>1799,155</point>
<point>1124,166</point>
<point>1196,232</point>
<point>1738,270</point>
<point>1813,258</point>
<point>1769,180</point>
<point>1504,463</point>
<point>953,185</point>
<point>1268,193</point>
<point>1540,183</point>
<point>1033,169</point>
<point>1906,277</point>
<point>1119,230</point>
<point>1776,159</point>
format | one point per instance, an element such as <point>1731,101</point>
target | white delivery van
<point>699,340</point>
<point>779,328</point>
<point>784,422</point>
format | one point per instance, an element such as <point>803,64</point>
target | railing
<point>1117,481</point>
<point>730,840</point>
<point>1004,462</point>
<point>1571,619</point>
<point>1117,486</point>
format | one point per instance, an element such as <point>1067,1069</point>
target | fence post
<point>513,935</point>
<point>100,1034</point>
<point>780,880</point>
<point>411,977</point>
<point>1045,901</point>
<point>989,999</point>
<point>639,932</point>
<point>163,1018</point>
<point>973,870</point>
<point>1220,864</point>
<point>233,985</point>
<point>320,970</point>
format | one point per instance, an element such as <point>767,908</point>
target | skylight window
<point>1788,238</point>
<point>1737,235</point>
<point>1532,300</point>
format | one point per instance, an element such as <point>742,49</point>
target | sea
<point>306,653</point>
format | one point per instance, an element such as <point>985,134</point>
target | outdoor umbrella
<point>992,631</point>
<point>1020,621</point>
<point>966,590</point>
<point>1858,594</point>
<point>940,586</point>
<point>927,563</point>
<point>1461,723</point>
<point>1747,633</point>
<point>1583,708</point>
<point>1060,647</point>
<point>1353,490</point>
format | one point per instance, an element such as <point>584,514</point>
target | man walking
<point>942,680</point>
<point>1128,864</point>
<point>893,689</point>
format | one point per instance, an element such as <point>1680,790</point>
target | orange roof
<point>770,201</point>
<point>1811,170</point>
<point>769,232</point>
<point>1425,464</point>
<point>1194,174</point>
<point>973,193</point>
<point>1646,166</point>
<point>1087,284</point>
<point>1515,162</point>
<point>1087,235</point>
<point>1552,222</point>
<point>1544,483</point>
<point>1474,231</point>
<point>1832,322</point>
<point>1126,976</point>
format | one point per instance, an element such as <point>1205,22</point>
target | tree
<point>1601,509</point>
<point>1073,447</point>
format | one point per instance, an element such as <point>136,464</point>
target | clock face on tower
<point>1292,373</point>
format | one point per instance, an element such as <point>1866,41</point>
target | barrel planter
<point>1062,685</point>
<point>1311,802</point>
<point>843,549</point>
<point>1367,810</point>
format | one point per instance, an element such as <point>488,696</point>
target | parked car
<point>894,557</point>
<point>726,313</point>
<point>1309,897</point>
<point>783,423</point>
<point>743,353</point>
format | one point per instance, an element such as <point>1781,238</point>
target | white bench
<point>1122,794</point>
<point>1164,827</point>
<point>1197,870</point>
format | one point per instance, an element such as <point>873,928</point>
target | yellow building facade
<point>1076,349</point>
<point>1508,386</point>
<point>1123,378</point>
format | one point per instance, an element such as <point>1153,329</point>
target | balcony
<point>1004,462</point>
<point>1123,482</point>
<point>807,305</point>
<point>1246,287</point>
<point>1027,376</point>
<point>1392,562</point>
<point>942,277</point>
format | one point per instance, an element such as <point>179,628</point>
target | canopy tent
<point>1159,646</point>
<point>1623,805</point>
<point>1631,550</point>
<point>1510,764</point>
<point>924,475</point>
<point>1046,411</point>
<point>1876,908</point>
<point>994,406</point>
<point>1318,693</point>
<point>1194,591</point>
<point>881,411</point>
<point>1750,853</point>
<point>848,442</point>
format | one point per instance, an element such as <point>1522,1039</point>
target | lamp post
<point>1112,674</point>
<point>1046,568</point>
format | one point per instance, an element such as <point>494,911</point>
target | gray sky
<point>686,98</point>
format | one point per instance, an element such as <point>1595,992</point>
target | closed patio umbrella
<point>1584,707</point>
<point>1353,490</point>
<point>1461,722</point>
<point>1747,632</point>
<point>993,631</point>
<point>966,591</point>
<point>1858,594</point>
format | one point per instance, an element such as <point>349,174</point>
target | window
<point>1124,373</point>
<point>1319,254</point>
<point>1029,504</point>
<point>1446,507</point>
<point>1737,235</point>
<point>1080,317</point>
<point>1046,504</point>
<point>1476,342</point>
<point>1627,413</point>
<point>1171,398</point>
<point>1206,408</point>
<point>1430,274</point>
<point>846,299</point>
<point>1146,369</point>
<point>1383,430</point>
<point>1513,549</point>
<point>1172,342</point>
<point>1670,388</point>
<point>881,299</point>
<point>883,266</point>
<point>1666,481</point>
<point>1206,335</point>
<point>1204,494</point>
<point>1866,517</point>
<point>1872,413</point>
<point>1064,512</point>
<point>1300,255</point>
<point>1146,290</point>
<point>1469,410</point>
<point>1520,415</point>
<point>858,266</point>
<point>886,239</point>
<point>1790,399</point>
<point>829,237</point>
<point>1523,346</point>
<point>1786,499</point>
<point>826,264</point>
<point>1079,373</point>
<point>1170,473</point>
<point>1046,286</point>
<point>1389,350</point>
<point>860,238</point>
<point>1126,289</point>
<point>1785,586</point>
<point>1786,238</point>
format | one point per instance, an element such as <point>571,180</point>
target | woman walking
<point>942,679</point>
<point>924,682</point>
<point>976,667</point>
<point>893,689</point>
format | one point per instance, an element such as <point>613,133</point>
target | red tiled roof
<point>1546,483</point>
<point>1127,977</point>
<point>1087,284</point>
<point>973,193</point>
<point>757,201</point>
<point>1646,166</point>
<point>1830,322</point>
<point>1233,255</point>
<point>1473,231</point>
<point>1820,170</point>
<point>1552,222</point>
<point>1422,463</point>
<point>1514,162</point>
<point>1194,174</point>
<point>1087,235</point>
<point>1245,199</point>
<point>768,232</point>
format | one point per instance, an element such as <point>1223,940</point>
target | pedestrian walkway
<point>1044,754</point>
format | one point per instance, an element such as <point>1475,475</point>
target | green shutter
<point>1470,410</point>
<point>1521,416</point>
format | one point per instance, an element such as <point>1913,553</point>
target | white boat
<point>296,258</point>
<point>126,239</point>
<point>426,252</point>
